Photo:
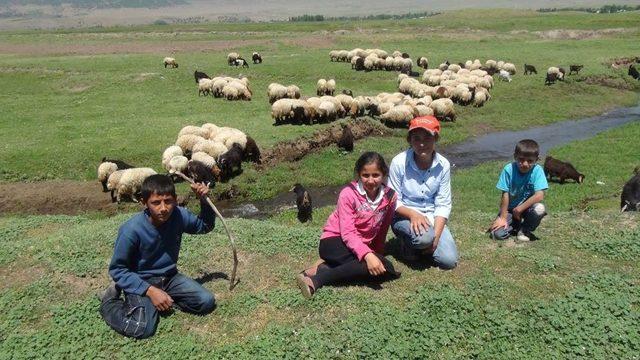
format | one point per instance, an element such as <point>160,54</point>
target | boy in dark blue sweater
<point>144,263</point>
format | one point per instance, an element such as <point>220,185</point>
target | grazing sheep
<point>204,158</point>
<point>251,151</point>
<point>230,92</point>
<point>200,75</point>
<point>504,76</point>
<point>480,97</point>
<point>231,58</point>
<point>130,182</point>
<point>633,72</point>
<point>359,66</point>
<point>229,136</point>
<point>281,110</point>
<point>511,68</point>
<point>293,92</point>
<point>241,62</point>
<point>177,163</point>
<point>257,58</point>
<point>276,92</point>
<point>330,87</point>
<point>562,170</point>
<point>303,203</point>
<point>530,69</point>
<point>169,61</point>
<point>630,197</point>
<point>230,160</point>
<point>326,111</point>
<point>169,153</point>
<point>550,78</point>
<point>188,141</point>
<point>108,167</point>
<point>321,87</point>
<point>575,68</point>
<point>399,115</point>
<point>346,139</point>
<point>112,183</point>
<point>202,173</point>
<point>553,74</point>
<point>211,130</point>
<point>347,92</point>
<point>205,87</point>
<point>193,130</point>
<point>211,147</point>
<point>443,109</point>
<point>423,62</point>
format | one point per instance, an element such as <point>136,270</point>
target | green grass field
<point>573,294</point>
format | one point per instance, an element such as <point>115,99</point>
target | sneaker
<point>111,292</point>
<point>306,290</point>
<point>523,236</point>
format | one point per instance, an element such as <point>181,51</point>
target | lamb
<point>169,153</point>
<point>630,197</point>
<point>241,62</point>
<point>423,62</point>
<point>330,87</point>
<point>205,87</point>
<point>530,69</point>
<point>303,203</point>
<point>575,68</point>
<point>108,167</point>
<point>257,58</point>
<point>130,182</point>
<point>553,74</point>
<point>169,61</point>
<point>480,97</point>
<point>231,58</point>
<point>321,87</point>
<point>562,170</point>
<point>201,173</point>
<point>200,75</point>
<point>511,68</point>
<point>347,92</point>
<point>633,72</point>
<point>177,163</point>
<point>346,139</point>
<point>504,76</point>
<point>229,161</point>
<point>443,109</point>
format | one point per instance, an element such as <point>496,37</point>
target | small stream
<point>493,146</point>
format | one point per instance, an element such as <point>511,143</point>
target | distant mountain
<point>96,4</point>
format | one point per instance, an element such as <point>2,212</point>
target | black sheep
<point>251,151</point>
<point>200,75</point>
<point>230,160</point>
<point>121,166</point>
<point>551,78</point>
<point>630,197</point>
<point>405,55</point>
<point>575,68</point>
<point>562,170</point>
<point>241,62</point>
<point>303,202</point>
<point>633,72</point>
<point>347,92</point>
<point>346,140</point>
<point>257,58</point>
<point>530,69</point>
<point>201,173</point>
<point>359,64</point>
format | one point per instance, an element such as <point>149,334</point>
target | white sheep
<point>504,75</point>
<point>169,61</point>
<point>481,96</point>
<point>281,110</point>
<point>276,92</point>
<point>131,181</point>
<point>205,86</point>
<point>232,57</point>
<point>193,130</point>
<point>399,115</point>
<point>327,111</point>
<point>230,93</point>
<point>293,92</point>
<point>211,129</point>
<point>321,87</point>
<point>230,136</point>
<point>511,68</point>
<point>211,147</point>
<point>443,109</point>
<point>104,170</point>
<point>204,158</point>
<point>177,163</point>
<point>169,153</point>
<point>188,141</point>
<point>330,87</point>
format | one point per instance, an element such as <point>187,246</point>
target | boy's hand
<point>419,223</point>
<point>517,213</point>
<point>499,223</point>
<point>374,265</point>
<point>200,189</point>
<point>160,299</point>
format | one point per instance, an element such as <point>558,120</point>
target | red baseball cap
<point>429,123</point>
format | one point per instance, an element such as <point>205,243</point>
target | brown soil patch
<point>608,81</point>
<point>79,88</point>
<point>57,197</point>
<point>297,149</point>
<point>129,47</point>
<point>11,276</point>
<point>313,42</point>
<point>564,34</point>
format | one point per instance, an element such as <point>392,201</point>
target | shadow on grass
<point>421,263</point>
<point>205,278</point>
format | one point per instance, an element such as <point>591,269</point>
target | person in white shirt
<point>421,178</point>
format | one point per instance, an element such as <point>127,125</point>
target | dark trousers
<point>341,265</point>
<point>136,317</point>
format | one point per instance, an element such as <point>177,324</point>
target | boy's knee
<point>500,234</point>
<point>206,303</point>
<point>447,262</point>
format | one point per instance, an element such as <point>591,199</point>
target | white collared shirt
<point>372,203</point>
<point>426,191</point>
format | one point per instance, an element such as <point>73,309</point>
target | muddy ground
<point>73,197</point>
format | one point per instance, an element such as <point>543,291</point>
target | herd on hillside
<point>211,153</point>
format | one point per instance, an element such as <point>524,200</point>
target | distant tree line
<point>100,4</point>
<point>309,17</point>
<point>606,9</point>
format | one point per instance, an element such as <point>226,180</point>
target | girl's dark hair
<point>159,184</point>
<point>371,157</point>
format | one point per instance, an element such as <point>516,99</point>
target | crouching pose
<point>144,263</point>
<point>352,242</point>
<point>421,177</point>
<point>522,183</point>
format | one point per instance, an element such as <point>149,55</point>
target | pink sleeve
<point>348,232</point>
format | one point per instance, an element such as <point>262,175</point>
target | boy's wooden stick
<point>231,239</point>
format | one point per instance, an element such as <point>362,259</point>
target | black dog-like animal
<point>562,170</point>
<point>575,68</point>
<point>200,75</point>
<point>529,69</point>
<point>346,140</point>
<point>630,197</point>
<point>303,202</point>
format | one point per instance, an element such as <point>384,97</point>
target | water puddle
<point>494,146</point>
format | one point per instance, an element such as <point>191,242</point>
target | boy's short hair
<point>527,148</point>
<point>157,184</point>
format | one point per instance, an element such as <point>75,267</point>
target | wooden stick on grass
<point>226,228</point>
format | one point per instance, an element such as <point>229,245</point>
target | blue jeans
<point>530,221</point>
<point>446,254</point>
<point>136,317</point>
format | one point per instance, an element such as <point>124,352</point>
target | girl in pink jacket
<point>352,241</point>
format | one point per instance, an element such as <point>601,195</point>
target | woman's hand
<point>419,223</point>
<point>374,264</point>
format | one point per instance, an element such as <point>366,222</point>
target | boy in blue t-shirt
<point>522,183</point>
